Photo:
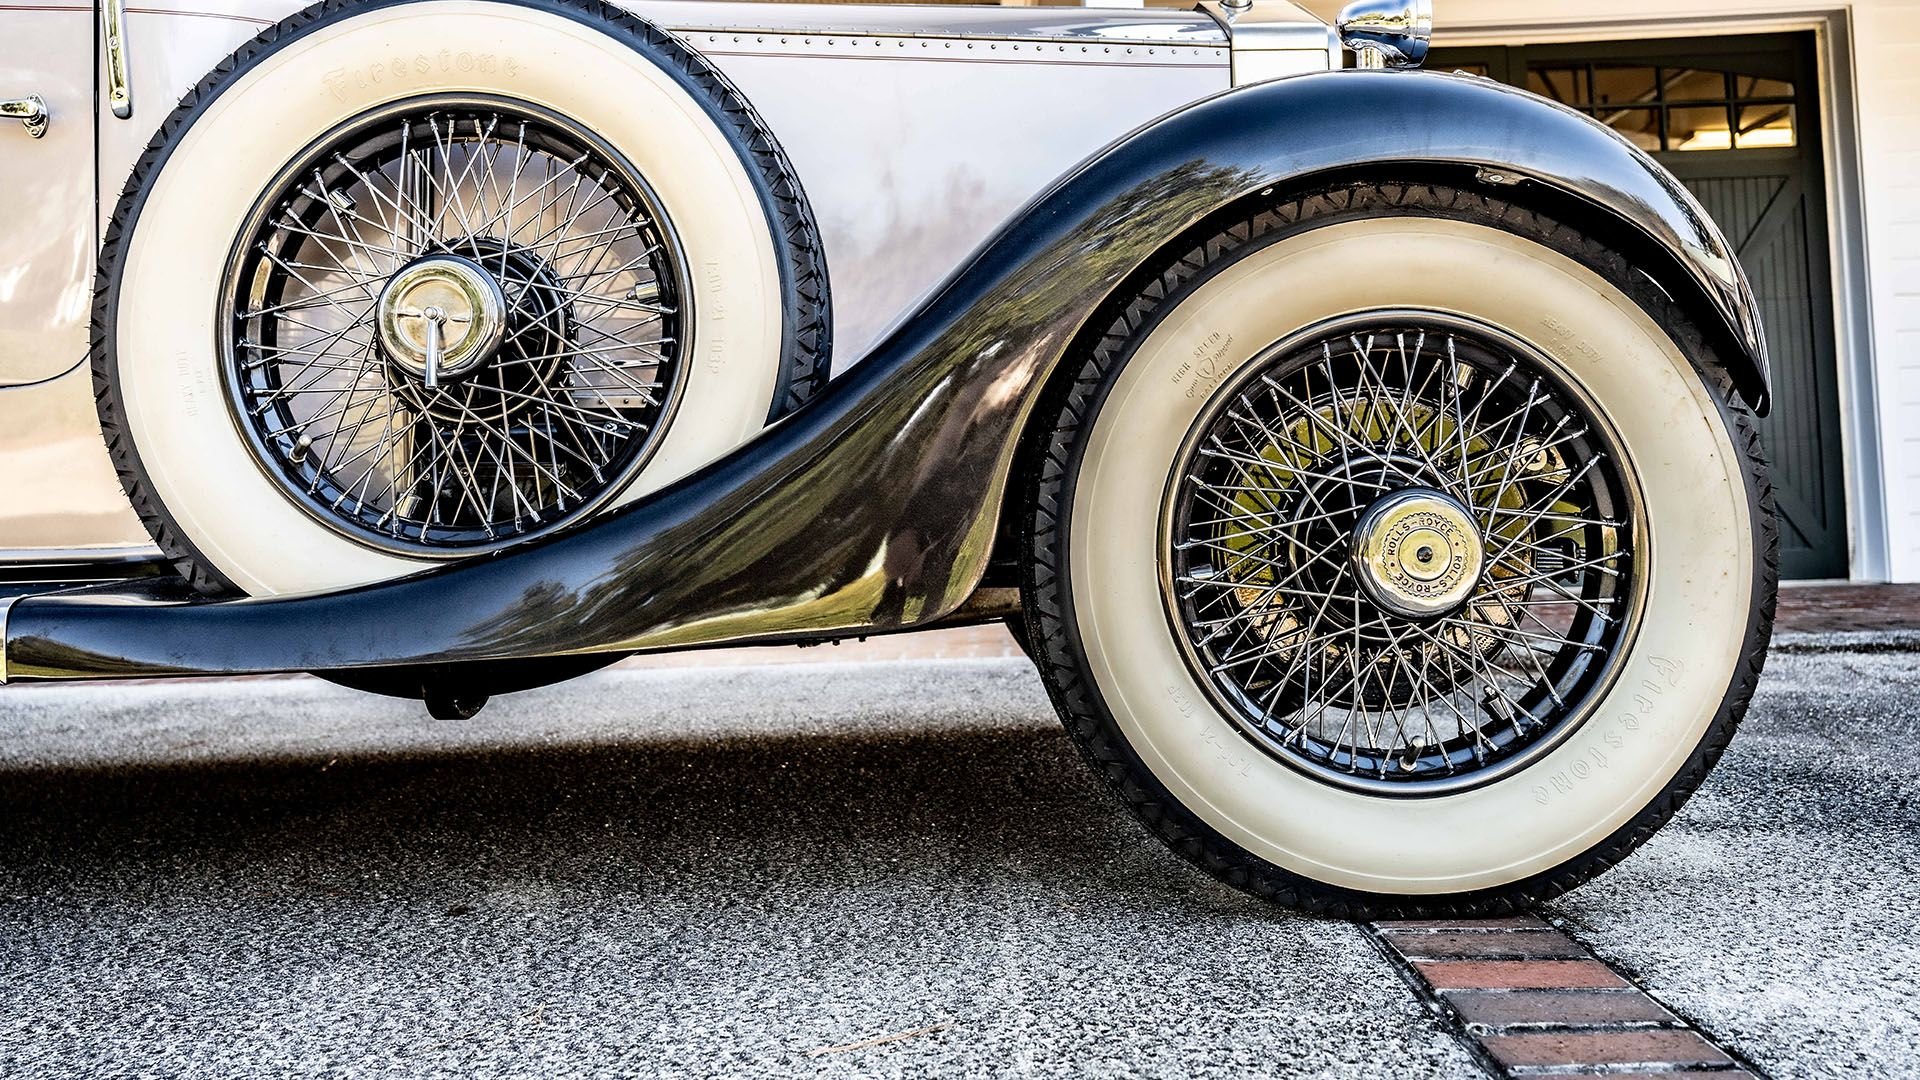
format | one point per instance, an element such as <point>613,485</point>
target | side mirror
<point>1387,33</point>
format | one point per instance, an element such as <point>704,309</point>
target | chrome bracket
<point>1369,57</point>
<point>1271,39</point>
<point>31,111</point>
<point>113,17</point>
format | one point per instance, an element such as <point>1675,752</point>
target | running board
<point>27,655</point>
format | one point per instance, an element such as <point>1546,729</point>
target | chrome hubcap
<point>441,318</point>
<point>1417,553</point>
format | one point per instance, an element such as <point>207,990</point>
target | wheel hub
<point>1400,552</point>
<point>441,318</point>
<point>1418,553</point>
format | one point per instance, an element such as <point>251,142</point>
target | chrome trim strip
<point>6,605</point>
<point>1058,25</point>
<point>907,47</point>
<point>13,557</point>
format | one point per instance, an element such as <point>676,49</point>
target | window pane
<point>1640,125</point>
<point>1765,125</point>
<point>1699,129</point>
<point>1752,86</point>
<point>1567,85</point>
<point>1692,84</point>
<point>1624,86</point>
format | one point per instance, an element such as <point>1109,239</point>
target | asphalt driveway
<point>750,871</point>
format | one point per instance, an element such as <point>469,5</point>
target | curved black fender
<point>874,506</point>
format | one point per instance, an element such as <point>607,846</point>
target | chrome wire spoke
<point>1400,552</point>
<point>557,301</point>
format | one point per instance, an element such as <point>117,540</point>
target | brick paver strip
<point>1466,945</point>
<point>1556,1008</point>
<point>1650,1046</point>
<point>1830,608</point>
<point>1517,974</point>
<point>1478,926</point>
<point>1683,1074</point>
<point>1539,1004</point>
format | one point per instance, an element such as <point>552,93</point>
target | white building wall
<point>1883,40</point>
<point>1887,81</point>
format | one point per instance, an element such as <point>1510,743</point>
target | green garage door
<point>1737,119</point>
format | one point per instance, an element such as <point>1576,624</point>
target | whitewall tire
<point>1353,815</point>
<point>749,282</point>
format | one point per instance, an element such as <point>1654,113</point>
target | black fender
<point>874,507</point>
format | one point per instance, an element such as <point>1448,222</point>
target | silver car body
<point>915,131</point>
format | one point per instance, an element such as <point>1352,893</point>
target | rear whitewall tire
<point>161,295</point>
<point>1120,675</point>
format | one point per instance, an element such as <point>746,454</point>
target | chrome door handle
<point>31,111</point>
<point>119,91</point>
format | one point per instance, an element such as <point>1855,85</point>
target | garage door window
<point>1675,109</point>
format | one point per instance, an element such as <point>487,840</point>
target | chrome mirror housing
<point>1387,33</point>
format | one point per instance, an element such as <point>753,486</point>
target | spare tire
<point>403,282</point>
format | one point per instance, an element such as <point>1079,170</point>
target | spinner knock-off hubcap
<point>441,317</point>
<point>1418,552</point>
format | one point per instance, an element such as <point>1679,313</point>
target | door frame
<point>1856,379</point>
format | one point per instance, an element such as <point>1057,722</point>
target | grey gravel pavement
<point>724,871</point>
<point>709,872</point>
<point>1779,911</point>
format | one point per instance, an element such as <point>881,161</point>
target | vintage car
<point>1365,456</point>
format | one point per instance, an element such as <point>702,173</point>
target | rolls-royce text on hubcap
<point>1417,552</point>
<point>456,324</point>
<point>1399,553</point>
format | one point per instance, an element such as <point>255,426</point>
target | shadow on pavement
<point>946,809</point>
<point>721,907</point>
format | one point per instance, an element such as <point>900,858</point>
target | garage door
<point>1737,120</point>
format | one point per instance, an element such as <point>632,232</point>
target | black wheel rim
<point>1402,552</point>
<point>550,422</point>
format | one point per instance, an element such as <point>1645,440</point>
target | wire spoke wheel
<point>455,323</point>
<point>1400,553</point>
<point>1396,549</point>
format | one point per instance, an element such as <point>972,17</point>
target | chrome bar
<point>119,90</point>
